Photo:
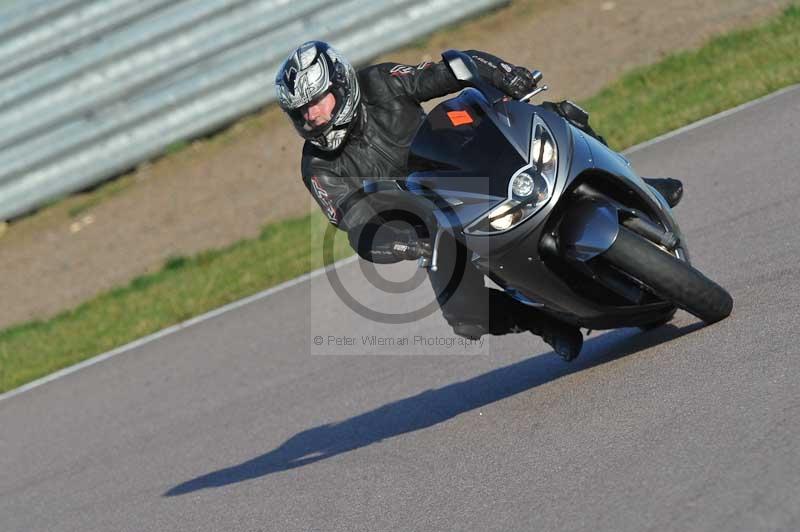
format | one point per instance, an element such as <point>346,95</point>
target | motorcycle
<point>550,213</point>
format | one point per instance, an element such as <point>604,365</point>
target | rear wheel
<point>668,277</point>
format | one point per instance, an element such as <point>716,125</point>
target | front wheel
<point>668,277</point>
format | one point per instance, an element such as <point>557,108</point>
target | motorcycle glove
<point>383,243</point>
<point>411,250</point>
<point>516,83</point>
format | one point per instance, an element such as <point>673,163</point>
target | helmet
<point>311,71</point>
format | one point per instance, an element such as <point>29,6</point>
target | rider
<point>360,124</point>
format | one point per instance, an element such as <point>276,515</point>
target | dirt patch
<point>224,189</point>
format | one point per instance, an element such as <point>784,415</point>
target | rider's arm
<point>430,80</point>
<point>327,189</point>
<point>346,208</point>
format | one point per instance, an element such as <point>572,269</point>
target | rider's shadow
<point>430,407</point>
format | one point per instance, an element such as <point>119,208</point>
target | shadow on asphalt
<point>431,407</point>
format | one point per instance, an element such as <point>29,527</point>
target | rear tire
<point>669,277</point>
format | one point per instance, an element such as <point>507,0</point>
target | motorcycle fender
<point>588,228</point>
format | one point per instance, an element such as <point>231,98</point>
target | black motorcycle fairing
<point>464,156</point>
<point>522,271</point>
<point>577,244</point>
<point>440,151</point>
<point>465,134</point>
<point>579,153</point>
<point>462,153</point>
<point>613,174</point>
<point>464,197</point>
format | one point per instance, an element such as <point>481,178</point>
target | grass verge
<point>687,86</point>
<point>646,102</point>
<point>185,287</point>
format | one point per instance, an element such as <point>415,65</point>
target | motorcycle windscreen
<point>460,148</point>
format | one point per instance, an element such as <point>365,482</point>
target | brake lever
<point>432,263</point>
<point>536,91</point>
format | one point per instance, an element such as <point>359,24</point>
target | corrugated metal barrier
<point>90,88</point>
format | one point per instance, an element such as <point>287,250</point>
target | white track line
<point>288,284</point>
<point>172,329</point>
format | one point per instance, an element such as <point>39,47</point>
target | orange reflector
<point>459,118</point>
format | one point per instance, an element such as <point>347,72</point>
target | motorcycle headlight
<point>504,217</point>
<point>530,187</point>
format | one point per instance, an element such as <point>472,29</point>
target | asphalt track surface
<point>240,423</point>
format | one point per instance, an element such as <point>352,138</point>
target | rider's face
<point>318,112</point>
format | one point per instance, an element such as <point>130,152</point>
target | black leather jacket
<point>377,146</point>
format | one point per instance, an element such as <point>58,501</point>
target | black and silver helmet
<point>309,73</point>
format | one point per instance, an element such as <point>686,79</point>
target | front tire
<point>668,277</point>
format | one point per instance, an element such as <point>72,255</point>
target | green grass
<point>646,102</point>
<point>688,86</point>
<point>185,287</point>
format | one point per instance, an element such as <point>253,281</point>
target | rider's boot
<point>509,315</point>
<point>671,189</point>
<point>565,339</point>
